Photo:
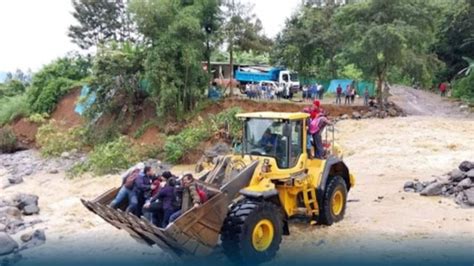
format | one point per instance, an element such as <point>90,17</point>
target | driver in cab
<point>268,141</point>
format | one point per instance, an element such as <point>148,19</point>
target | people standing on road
<point>366,96</point>
<point>338,94</point>
<point>190,197</point>
<point>347,94</point>
<point>321,91</point>
<point>353,94</point>
<point>128,180</point>
<point>305,93</point>
<point>442,89</point>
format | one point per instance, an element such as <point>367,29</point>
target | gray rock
<point>392,112</point>
<point>419,187</point>
<point>345,116</point>
<point>456,175</point>
<point>28,172</point>
<point>356,115</point>
<point>470,174</point>
<point>466,166</point>
<point>432,189</point>
<point>470,196</point>
<point>409,189</point>
<point>21,200</point>
<point>10,213</point>
<point>409,184</point>
<point>457,189</point>
<point>7,244</point>
<point>30,210</point>
<point>3,228</point>
<point>459,198</point>
<point>465,183</point>
<point>65,155</point>
<point>5,183</point>
<point>33,239</point>
<point>15,180</point>
<point>368,115</point>
<point>53,171</point>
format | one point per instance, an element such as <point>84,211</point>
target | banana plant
<point>467,70</point>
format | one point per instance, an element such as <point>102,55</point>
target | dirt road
<point>382,222</point>
<point>423,103</point>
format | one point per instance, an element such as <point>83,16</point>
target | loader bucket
<point>196,232</point>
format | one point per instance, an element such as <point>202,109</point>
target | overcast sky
<point>34,32</point>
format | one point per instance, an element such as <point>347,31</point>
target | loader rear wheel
<point>252,231</point>
<point>333,205</point>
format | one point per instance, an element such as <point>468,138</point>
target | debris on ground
<point>457,184</point>
<point>12,221</point>
<point>14,168</point>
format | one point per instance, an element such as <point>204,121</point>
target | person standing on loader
<point>128,180</point>
<point>321,122</point>
<point>190,197</point>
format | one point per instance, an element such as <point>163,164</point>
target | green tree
<point>100,21</point>
<point>55,80</point>
<point>176,33</point>
<point>381,35</point>
<point>118,74</point>
<point>242,30</point>
<point>310,42</point>
<point>456,38</point>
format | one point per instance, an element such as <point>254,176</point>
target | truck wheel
<point>252,231</point>
<point>333,205</point>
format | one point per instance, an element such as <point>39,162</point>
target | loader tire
<point>333,205</point>
<point>252,231</point>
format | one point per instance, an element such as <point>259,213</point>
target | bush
<point>7,140</point>
<point>176,146</point>
<point>464,88</point>
<point>109,158</point>
<point>38,118</point>
<point>55,80</point>
<point>13,107</point>
<point>54,140</point>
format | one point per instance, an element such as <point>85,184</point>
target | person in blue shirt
<point>268,141</point>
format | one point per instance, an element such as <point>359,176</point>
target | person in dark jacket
<point>159,207</point>
<point>190,197</point>
<point>141,191</point>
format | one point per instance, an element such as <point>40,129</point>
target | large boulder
<point>9,213</point>
<point>392,112</point>
<point>465,183</point>
<point>14,180</point>
<point>470,174</point>
<point>22,200</point>
<point>30,210</point>
<point>469,193</point>
<point>356,115</point>
<point>433,189</point>
<point>466,166</point>
<point>456,175</point>
<point>33,239</point>
<point>7,244</point>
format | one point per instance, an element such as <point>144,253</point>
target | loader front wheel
<point>252,231</point>
<point>333,205</point>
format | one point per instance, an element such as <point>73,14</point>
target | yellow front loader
<point>253,194</point>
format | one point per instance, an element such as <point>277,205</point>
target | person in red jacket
<point>442,89</point>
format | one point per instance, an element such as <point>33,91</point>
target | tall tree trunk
<point>231,65</point>
<point>379,90</point>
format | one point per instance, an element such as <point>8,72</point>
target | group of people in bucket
<point>160,199</point>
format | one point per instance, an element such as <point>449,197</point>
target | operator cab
<point>276,135</point>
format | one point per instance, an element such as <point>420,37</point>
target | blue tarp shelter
<point>85,100</point>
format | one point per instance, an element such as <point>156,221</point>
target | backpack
<point>130,180</point>
<point>202,194</point>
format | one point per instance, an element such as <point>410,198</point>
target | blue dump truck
<point>286,80</point>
